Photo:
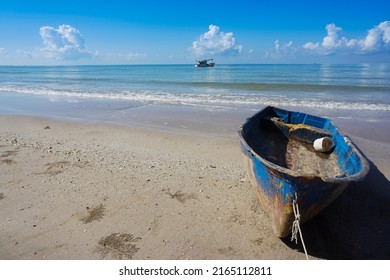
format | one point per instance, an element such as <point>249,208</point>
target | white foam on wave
<point>197,99</point>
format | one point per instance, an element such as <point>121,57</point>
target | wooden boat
<point>286,169</point>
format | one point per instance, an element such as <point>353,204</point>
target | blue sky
<point>148,32</point>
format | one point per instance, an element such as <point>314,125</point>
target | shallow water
<point>185,98</point>
<point>334,87</point>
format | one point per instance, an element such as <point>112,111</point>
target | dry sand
<point>84,191</point>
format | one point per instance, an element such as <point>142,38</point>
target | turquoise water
<point>347,87</point>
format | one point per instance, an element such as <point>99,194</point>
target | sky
<point>78,32</point>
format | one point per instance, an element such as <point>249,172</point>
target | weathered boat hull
<point>277,183</point>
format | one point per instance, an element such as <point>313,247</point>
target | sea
<point>355,90</point>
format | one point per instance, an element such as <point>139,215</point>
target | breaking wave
<point>209,98</point>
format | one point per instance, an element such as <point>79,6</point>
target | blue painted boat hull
<point>272,140</point>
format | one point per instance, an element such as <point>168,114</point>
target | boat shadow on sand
<point>356,226</point>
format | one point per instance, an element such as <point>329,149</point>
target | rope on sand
<point>295,227</point>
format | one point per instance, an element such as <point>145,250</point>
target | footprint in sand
<point>7,161</point>
<point>180,196</point>
<point>94,214</point>
<point>56,167</point>
<point>9,153</point>
<point>118,245</point>
<point>5,157</point>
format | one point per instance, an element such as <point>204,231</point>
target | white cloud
<point>283,47</point>
<point>377,39</point>
<point>64,42</point>
<point>131,55</point>
<point>25,54</point>
<point>3,51</point>
<point>280,50</point>
<point>332,42</point>
<point>311,46</point>
<point>216,42</point>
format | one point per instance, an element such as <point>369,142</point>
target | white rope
<point>295,226</point>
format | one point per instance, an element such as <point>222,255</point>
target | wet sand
<point>71,190</point>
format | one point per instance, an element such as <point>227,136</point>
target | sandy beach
<point>73,190</point>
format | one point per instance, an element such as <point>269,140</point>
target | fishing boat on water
<point>298,160</point>
<point>205,63</point>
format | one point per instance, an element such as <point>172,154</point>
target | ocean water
<point>351,88</point>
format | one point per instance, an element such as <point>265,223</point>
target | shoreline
<point>82,190</point>
<point>179,118</point>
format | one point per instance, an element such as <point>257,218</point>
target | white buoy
<point>323,144</point>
